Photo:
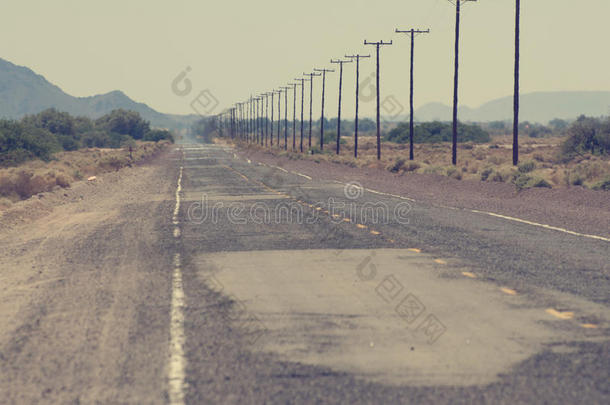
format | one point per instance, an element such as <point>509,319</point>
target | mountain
<point>535,107</point>
<point>22,92</point>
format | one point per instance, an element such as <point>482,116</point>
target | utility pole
<point>302,80</point>
<point>255,117</point>
<point>294,117</point>
<point>357,57</point>
<point>323,96</point>
<point>311,76</point>
<point>279,115</point>
<point>250,122</point>
<point>458,4</point>
<point>285,116</point>
<point>516,101</point>
<point>261,124</point>
<point>412,32</point>
<point>340,63</point>
<point>271,93</point>
<point>266,118</point>
<point>378,45</point>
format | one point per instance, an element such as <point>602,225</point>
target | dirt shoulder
<point>575,208</point>
<point>97,169</point>
<point>85,290</point>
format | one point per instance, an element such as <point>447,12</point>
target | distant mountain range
<point>24,92</point>
<point>535,107</point>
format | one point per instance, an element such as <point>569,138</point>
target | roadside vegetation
<point>52,149</point>
<point>41,135</point>
<point>557,155</point>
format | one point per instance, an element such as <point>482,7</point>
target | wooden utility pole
<point>294,117</point>
<point>378,45</point>
<point>412,32</point>
<point>323,96</point>
<point>272,93</point>
<point>279,115</point>
<point>340,63</point>
<point>458,4</point>
<point>311,76</point>
<point>266,118</point>
<point>357,57</point>
<point>285,116</point>
<point>302,80</point>
<point>516,100</point>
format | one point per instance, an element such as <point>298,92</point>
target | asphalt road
<point>212,279</point>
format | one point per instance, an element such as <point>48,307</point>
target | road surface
<point>207,278</point>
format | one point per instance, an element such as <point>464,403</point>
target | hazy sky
<point>235,48</point>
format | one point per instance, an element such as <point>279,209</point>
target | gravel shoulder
<point>85,289</point>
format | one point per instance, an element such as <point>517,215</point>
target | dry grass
<point>33,177</point>
<point>541,164</point>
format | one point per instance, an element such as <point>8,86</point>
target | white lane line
<point>388,194</point>
<point>177,361</point>
<point>554,228</point>
<point>302,175</point>
<point>523,221</point>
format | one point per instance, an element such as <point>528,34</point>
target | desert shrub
<point>479,154</point>
<point>397,165</point>
<point>587,135</point>
<point>156,135</point>
<point>538,157</point>
<point>486,173</point>
<point>411,166</point>
<point>454,173</point>
<point>602,185</point>
<point>527,166</point>
<point>496,160</point>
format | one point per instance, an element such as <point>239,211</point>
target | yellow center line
<point>375,233</point>
<point>588,325</point>
<point>346,220</point>
<point>415,250</point>
<point>361,226</point>
<point>469,274</point>
<point>560,315</point>
<point>440,261</point>
<point>508,291</point>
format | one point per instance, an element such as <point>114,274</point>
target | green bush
<point>435,132</point>
<point>587,135</point>
<point>527,166</point>
<point>41,135</point>
<point>602,185</point>
<point>486,173</point>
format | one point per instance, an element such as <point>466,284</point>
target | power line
<point>357,57</point>
<point>412,32</point>
<point>378,45</point>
